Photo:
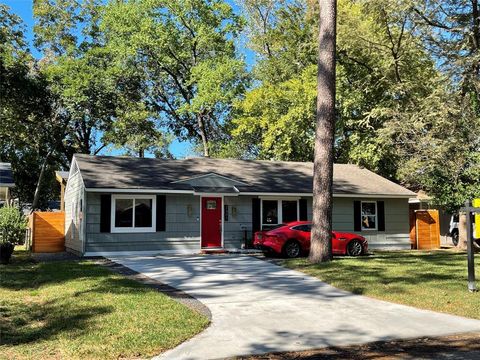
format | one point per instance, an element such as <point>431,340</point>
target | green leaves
<point>279,119</point>
<point>12,225</point>
<point>185,53</point>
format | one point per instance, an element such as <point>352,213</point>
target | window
<point>211,204</point>
<point>225,212</point>
<point>306,228</point>
<point>369,215</point>
<point>133,213</point>
<point>270,212</point>
<point>289,210</point>
<point>276,212</point>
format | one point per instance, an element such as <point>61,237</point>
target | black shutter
<point>255,215</point>
<point>381,215</point>
<point>161,212</point>
<point>357,216</point>
<point>302,203</point>
<point>105,212</point>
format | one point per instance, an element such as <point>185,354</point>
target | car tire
<point>354,248</point>
<point>455,237</point>
<point>292,249</point>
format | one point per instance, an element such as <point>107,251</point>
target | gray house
<point>6,183</point>
<point>121,205</point>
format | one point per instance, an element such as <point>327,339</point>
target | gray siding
<point>396,234</point>
<point>239,215</point>
<point>182,229</point>
<point>73,213</point>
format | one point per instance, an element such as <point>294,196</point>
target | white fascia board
<point>388,196</point>
<point>192,192</point>
<point>371,196</point>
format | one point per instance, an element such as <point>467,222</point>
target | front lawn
<point>77,309</point>
<point>428,280</point>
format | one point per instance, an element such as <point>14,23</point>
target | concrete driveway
<point>258,307</point>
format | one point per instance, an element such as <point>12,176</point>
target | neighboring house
<point>62,177</point>
<point>6,183</point>
<point>116,205</point>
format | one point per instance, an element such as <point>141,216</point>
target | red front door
<point>211,222</point>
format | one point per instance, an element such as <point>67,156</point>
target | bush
<point>12,225</point>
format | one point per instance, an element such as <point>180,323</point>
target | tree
<point>321,236</point>
<point>451,32</point>
<point>189,67</point>
<point>275,121</point>
<point>30,132</point>
<point>78,69</point>
<point>367,83</point>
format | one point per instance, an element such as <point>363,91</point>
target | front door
<point>211,222</point>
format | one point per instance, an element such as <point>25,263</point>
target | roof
<point>421,197</point>
<point>62,175</point>
<point>247,176</point>
<point>6,176</point>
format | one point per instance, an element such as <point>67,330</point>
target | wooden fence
<point>47,231</point>
<point>426,230</point>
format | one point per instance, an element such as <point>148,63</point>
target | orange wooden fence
<point>427,229</point>
<point>47,231</point>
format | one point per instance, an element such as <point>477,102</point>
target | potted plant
<point>12,231</point>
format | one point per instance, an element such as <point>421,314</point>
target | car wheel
<point>455,237</point>
<point>292,249</point>
<point>354,248</point>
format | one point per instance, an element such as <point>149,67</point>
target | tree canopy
<point>132,76</point>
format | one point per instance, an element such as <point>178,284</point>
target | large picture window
<point>369,215</point>
<point>133,213</point>
<point>275,212</point>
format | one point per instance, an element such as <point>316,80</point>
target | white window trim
<point>376,215</point>
<point>279,210</point>
<point>153,228</point>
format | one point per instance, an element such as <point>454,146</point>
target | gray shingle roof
<point>260,176</point>
<point>6,176</point>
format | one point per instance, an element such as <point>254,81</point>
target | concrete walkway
<point>258,307</point>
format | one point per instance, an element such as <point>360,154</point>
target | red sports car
<point>293,239</point>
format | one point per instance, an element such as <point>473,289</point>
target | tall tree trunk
<point>203,134</point>
<point>321,237</point>
<point>36,197</point>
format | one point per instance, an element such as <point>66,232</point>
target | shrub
<point>12,225</point>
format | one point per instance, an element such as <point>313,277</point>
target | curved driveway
<point>259,307</point>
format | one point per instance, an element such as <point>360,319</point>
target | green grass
<point>428,280</point>
<point>80,310</point>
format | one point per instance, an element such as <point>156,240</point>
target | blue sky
<point>23,8</point>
